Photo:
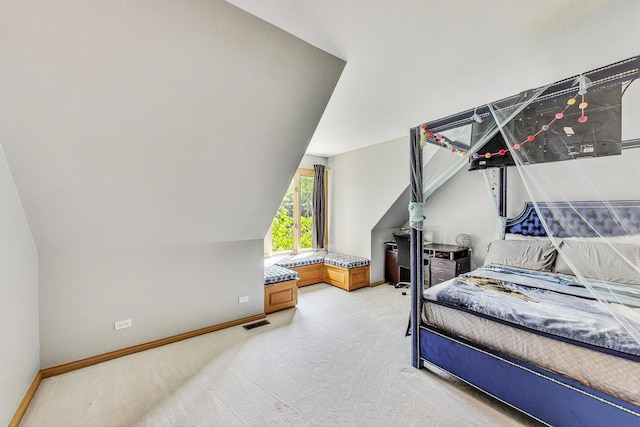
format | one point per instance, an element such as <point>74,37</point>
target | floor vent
<point>256,324</point>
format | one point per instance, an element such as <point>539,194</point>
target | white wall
<point>463,204</point>
<point>158,121</point>
<point>151,143</point>
<point>603,178</point>
<point>308,161</point>
<point>165,291</point>
<point>19,352</point>
<point>363,184</point>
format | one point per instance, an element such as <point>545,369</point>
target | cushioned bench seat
<point>283,277</point>
<point>276,273</point>
<point>347,272</point>
<point>308,265</point>
<point>345,261</point>
<point>280,288</point>
<point>300,260</point>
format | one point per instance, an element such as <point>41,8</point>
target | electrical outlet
<point>243,299</point>
<point>121,324</point>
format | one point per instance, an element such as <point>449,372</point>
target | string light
<point>425,133</point>
<point>438,138</point>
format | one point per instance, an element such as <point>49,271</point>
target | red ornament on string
<point>571,101</point>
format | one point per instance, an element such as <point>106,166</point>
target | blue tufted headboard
<point>579,219</point>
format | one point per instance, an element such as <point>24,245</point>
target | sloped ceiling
<point>155,122</point>
<point>414,61</point>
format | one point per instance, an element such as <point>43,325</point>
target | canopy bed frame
<point>524,386</point>
<point>545,395</point>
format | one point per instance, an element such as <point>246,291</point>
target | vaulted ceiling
<point>154,122</point>
<point>159,122</point>
<point>412,61</point>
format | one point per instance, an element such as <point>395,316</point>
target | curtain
<point>319,220</point>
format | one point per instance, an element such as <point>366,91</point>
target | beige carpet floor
<point>337,359</point>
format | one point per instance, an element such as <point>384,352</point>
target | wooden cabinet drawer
<point>454,266</point>
<point>439,278</point>
<point>281,295</point>
<point>443,262</point>
<point>441,269</point>
<point>445,271</point>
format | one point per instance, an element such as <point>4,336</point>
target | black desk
<point>444,261</point>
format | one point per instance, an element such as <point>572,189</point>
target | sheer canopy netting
<point>455,142</point>
<point>574,141</point>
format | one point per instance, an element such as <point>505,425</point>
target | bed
<point>525,330</point>
<point>551,324</point>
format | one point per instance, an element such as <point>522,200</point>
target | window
<point>290,229</point>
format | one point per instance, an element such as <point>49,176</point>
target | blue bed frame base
<point>543,395</point>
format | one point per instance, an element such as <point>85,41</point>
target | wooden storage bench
<point>280,288</point>
<point>309,274</point>
<point>348,279</point>
<point>281,295</point>
<point>343,271</point>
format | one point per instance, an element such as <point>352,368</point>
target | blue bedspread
<point>553,304</point>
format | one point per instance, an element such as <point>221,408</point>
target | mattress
<point>544,319</point>
<point>610,374</point>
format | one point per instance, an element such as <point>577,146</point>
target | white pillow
<point>633,239</point>
<point>599,260</point>
<point>513,236</point>
<point>530,254</point>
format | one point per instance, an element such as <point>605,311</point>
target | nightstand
<point>446,262</point>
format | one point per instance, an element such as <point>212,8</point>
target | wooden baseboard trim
<point>72,366</point>
<point>83,363</point>
<point>380,282</point>
<point>17,417</point>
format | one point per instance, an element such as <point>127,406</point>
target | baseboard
<point>380,282</point>
<point>94,360</point>
<point>72,366</point>
<point>17,417</point>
